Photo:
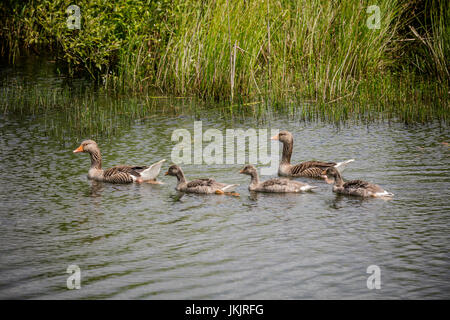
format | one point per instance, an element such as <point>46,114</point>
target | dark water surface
<point>147,242</point>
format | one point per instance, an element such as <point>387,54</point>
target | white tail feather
<point>229,188</point>
<point>307,188</point>
<point>384,194</point>
<point>341,165</point>
<point>152,172</point>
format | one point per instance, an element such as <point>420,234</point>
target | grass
<point>433,35</point>
<point>69,112</point>
<point>318,50</point>
<point>243,50</point>
<point>315,59</point>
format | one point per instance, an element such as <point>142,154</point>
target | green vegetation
<point>86,113</point>
<point>427,39</point>
<point>108,31</point>
<point>81,112</point>
<point>260,55</point>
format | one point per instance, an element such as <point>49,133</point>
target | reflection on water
<point>95,190</point>
<point>150,242</point>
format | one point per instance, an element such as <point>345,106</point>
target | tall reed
<point>432,57</point>
<point>314,49</point>
<point>240,51</point>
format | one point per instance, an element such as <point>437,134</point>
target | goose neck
<point>287,152</point>
<point>180,176</point>
<point>96,159</point>
<point>254,178</point>
<point>338,181</point>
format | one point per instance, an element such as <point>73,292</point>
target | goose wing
<point>275,182</point>
<point>356,184</point>
<point>284,185</point>
<point>123,174</point>
<point>370,189</point>
<point>311,168</point>
<point>201,183</point>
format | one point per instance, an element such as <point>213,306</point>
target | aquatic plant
<point>312,60</point>
<point>243,50</point>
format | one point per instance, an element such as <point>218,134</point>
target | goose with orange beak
<point>117,174</point>
<point>311,169</point>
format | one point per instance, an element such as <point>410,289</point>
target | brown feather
<point>133,170</point>
<point>275,181</point>
<point>310,168</point>
<point>200,182</point>
<point>123,173</point>
<point>354,184</point>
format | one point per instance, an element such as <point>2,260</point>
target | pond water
<point>149,242</point>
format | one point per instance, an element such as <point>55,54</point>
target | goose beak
<point>167,172</point>
<point>275,137</point>
<point>79,149</point>
<point>241,171</point>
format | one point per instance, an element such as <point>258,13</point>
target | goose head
<point>173,170</point>
<point>87,146</point>
<point>249,170</point>
<point>331,175</point>
<point>283,136</point>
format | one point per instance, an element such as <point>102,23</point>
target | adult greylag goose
<point>117,174</point>
<point>311,169</point>
<point>354,187</point>
<point>280,185</point>
<point>207,185</point>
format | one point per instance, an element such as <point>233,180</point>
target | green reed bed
<point>91,113</point>
<point>237,50</point>
<point>250,49</point>
<point>429,49</point>
<point>321,51</point>
<point>312,59</point>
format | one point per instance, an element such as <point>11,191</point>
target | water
<point>148,242</point>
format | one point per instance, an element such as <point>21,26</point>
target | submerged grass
<point>69,112</point>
